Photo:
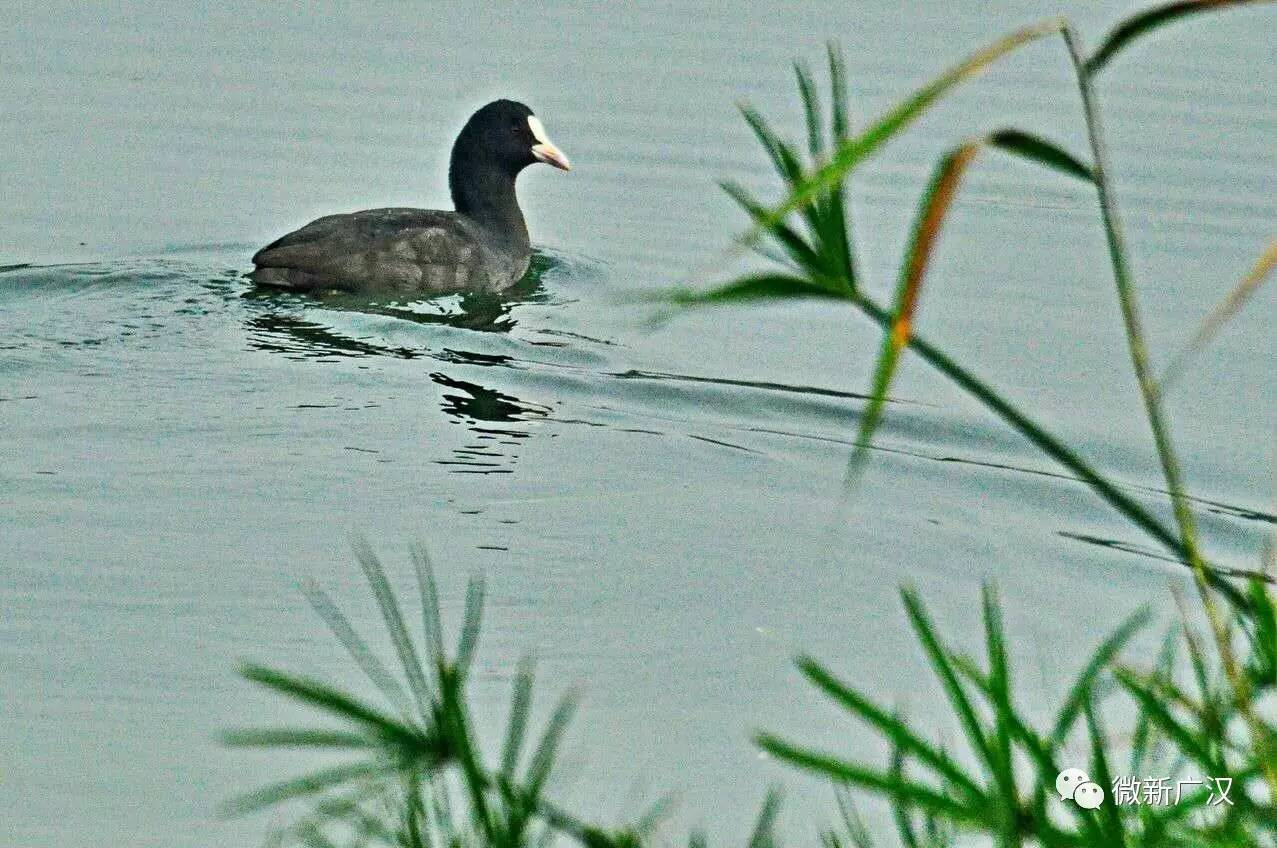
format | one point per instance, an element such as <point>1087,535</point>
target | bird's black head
<point>507,135</point>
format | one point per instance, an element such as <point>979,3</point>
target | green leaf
<point>1003,762</point>
<point>543,757</point>
<point>310,784</point>
<point>1038,750</point>
<point>520,708</point>
<point>910,792</point>
<point>939,658</point>
<point>837,235</point>
<point>333,701</point>
<point>811,110</point>
<point>1137,26</point>
<point>926,231</point>
<point>1110,820</point>
<point>429,592</point>
<point>1144,743</point>
<point>1082,689</point>
<point>1042,152</point>
<point>1183,738</point>
<point>892,727</point>
<point>794,244</point>
<point>470,625</point>
<point>756,287</point>
<point>297,738</point>
<point>781,154</point>
<point>856,149</point>
<point>394,623</point>
<point>838,93</point>
<point>764,835</point>
<point>358,649</point>
<point>1132,323</point>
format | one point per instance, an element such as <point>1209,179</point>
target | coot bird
<point>482,246</point>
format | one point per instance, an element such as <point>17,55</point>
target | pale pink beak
<point>544,150</point>
<point>551,155</point>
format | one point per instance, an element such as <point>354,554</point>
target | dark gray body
<point>393,251</point>
<point>482,246</point>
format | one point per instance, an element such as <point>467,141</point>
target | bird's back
<point>394,250</point>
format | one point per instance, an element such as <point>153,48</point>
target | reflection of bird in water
<point>490,452</point>
<point>483,404</point>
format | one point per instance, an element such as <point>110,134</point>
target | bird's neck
<point>485,194</point>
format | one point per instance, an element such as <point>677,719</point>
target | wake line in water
<point>314,340</point>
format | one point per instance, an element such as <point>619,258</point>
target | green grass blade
<point>1151,702</point>
<point>764,833</point>
<point>1223,313</point>
<point>851,820</point>
<point>1040,751</point>
<point>310,784</point>
<point>1144,739</point>
<point>1110,820</point>
<point>780,153</point>
<point>841,122</point>
<point>856,149</point>
<point>296,738</point>
<point>1198,663</point>
<point>1003,762</point>
<point>935,205</point>
<point>1137,26</point>
<point>1083,687</point>
<point>915,794</point>
<point>790,168</point>
<point>543,757</point>
<point>901,812</point>
<point>358,649</point>
<point>431,620</point>
<point>793,244</point>
<point>652,817</point>
<point>811,111</point>
<point>349,809</point>
<point>1262,634</point>
<point>941,664</point>
<point>313,837</point>
<point>890,726</point>
<point>838,235</point>
<point>1131,319</point>
<point>330,700</point>
<point>1042,152</point>
<point>395,626</point>
<point>756,287</point>
<point>470,625</point>
<point>520,709</point>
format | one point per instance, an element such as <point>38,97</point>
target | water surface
<point>656,506</point>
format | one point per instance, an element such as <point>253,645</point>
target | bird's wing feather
<point>362,246</point>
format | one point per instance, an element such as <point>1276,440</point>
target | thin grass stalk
<point>1128,302</point>
<point>1160,426</point>
<point>1222,313</point>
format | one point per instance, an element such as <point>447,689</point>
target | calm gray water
<point>656,507</point>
